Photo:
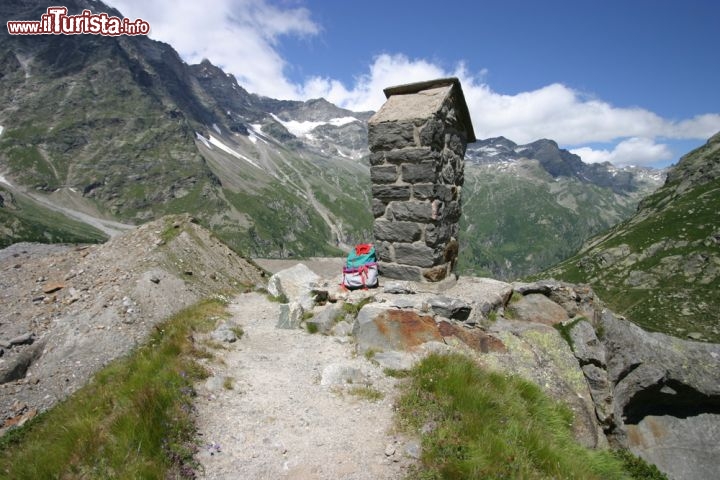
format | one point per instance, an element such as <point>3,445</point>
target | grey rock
<point>400,272</point>
<point>538,308</point>
<point>412,211</point>
<point>377,158</point>
<point>378,207</point>
<point>325,319</point>
<point>419,172</point>
<point>655,375</point>
<point>388,193</point>
<point>24,339</point>
<point>342,329</point>
<point>451,212</point>
<point>424,191</point>
<point>390,135</point>
<point>450,307</point>
<point>407,301</point>
<point>586,346</point>
<point>296,283</point>
<point>291,315</point>
<point>398,288</point>
<point>543,286</point>
<point>396,231</point>
<point>224,333</point>
<point>340,374</point>
<point>600,392</point>
<point>16,367</point>
<point>395,360</point>
<point>417,254</point>
<point>413,449</point>
<point>411,155</point>
<point>215,384</point>
<point>383,173</point>
<point>682,448</point>
<point>432,133</point>
<point>484,294</point>
<point>437,234</point>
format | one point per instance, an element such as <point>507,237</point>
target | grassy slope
<point>480,424</point>
<point>661,268</point>
<point>134,419</point>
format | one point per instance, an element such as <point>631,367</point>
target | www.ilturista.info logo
<point>56,21</point>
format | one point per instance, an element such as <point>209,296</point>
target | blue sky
<point>632,82</point>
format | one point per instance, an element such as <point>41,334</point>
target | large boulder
<point>483,294</point>
<point>296,284</point>
<point>537,308</point>
<point>666,396</point>
<point>379,328</point>
<point>538,353</point>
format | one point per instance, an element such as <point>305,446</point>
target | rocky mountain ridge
<point>527,207</point>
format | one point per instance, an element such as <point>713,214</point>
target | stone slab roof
<point>421,100</point>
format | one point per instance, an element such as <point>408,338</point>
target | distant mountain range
<point>98,130</point>
<point>526,207</point>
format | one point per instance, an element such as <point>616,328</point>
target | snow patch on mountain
<point>4,180</point>
<point>255,133</point>
<point>301,129</point>
<point>203,139</point>
<point>1,129</point>
<point>216,142</point>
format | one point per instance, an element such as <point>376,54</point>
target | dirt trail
<point>291,412</point>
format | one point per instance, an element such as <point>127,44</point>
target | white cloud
<point>554,111</point>
<point>633,151</point>
<point>240,36</point>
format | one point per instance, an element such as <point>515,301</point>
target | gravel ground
<point>291,411</point>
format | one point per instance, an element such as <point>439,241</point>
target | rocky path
<point>293,409</point>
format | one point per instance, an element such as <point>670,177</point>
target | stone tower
<point>417,142</point>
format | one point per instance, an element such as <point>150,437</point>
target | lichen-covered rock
<point>291,315</point>
<point>656,375</point>
<point>379,328</point>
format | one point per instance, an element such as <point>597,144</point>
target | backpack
<point>360,269</point>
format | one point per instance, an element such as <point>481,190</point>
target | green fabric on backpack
<point>362,254</point>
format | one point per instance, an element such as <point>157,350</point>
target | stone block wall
<point>417,142</point>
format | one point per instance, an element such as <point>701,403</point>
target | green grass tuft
<point>367,393</point>
<point>133,420</point>
<point>566,328</point>
<point>489,425</point>
<point>354,308</point>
